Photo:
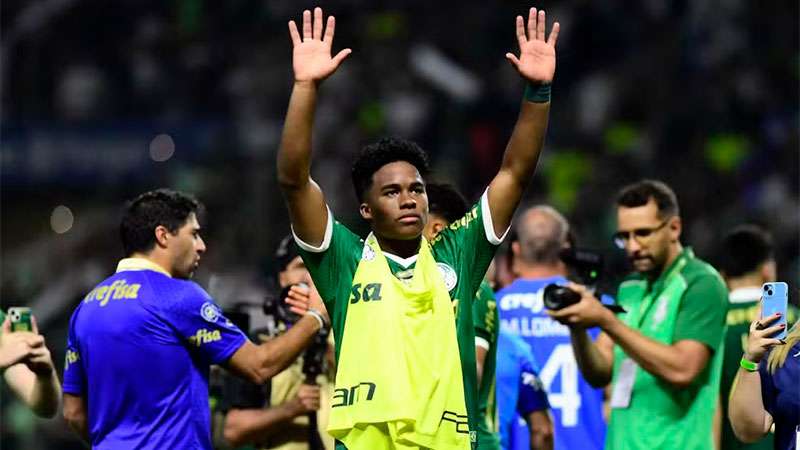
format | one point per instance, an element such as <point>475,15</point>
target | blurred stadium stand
<point>103,100</point>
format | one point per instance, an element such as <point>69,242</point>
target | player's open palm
<point>537,56</point>
<point>311,57</point>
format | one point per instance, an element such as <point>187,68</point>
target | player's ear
<point>515,248</point>
<point>365,211</point>
<point>162,235</point>
<point>437,228</point>
<point>675,228</point>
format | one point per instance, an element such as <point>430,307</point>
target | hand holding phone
<point>775,299</point>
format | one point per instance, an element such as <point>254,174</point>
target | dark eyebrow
<point>390,186</point>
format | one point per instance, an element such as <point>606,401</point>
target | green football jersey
<point>463,252</point>
<point>486,322</point>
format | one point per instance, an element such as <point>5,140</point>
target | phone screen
<point>775,298</point>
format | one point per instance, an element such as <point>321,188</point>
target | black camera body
<point>559,297</point>
<point>276,307</point>
<point>586,266</point>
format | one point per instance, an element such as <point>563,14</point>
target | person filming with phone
<point>26,363</point>
<point>766,391</point>
<point>663,355</point>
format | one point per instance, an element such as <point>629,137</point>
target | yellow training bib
<point>398,381</point>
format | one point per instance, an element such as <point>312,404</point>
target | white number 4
<point>568,400</point>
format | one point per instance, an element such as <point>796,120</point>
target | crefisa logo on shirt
<point>204,336</point>
<point>210,312</point>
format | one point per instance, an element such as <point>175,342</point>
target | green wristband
<point>537,93</point>
<point>749,366</point>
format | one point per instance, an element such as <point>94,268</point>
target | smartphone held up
<point>20,318</point>
<point>775,299</point>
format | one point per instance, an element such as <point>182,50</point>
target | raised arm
<point>33,378</point>
<point>259,363</point>
<point>537,65</point>
<point>749,419</point>
<point>312,63</point>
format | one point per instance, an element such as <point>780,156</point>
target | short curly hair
<point>388,150</point>
<point>143,214</point>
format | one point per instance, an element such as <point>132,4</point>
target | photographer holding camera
<point>577,406</point>
<point>664,354</point>
<point>300,395</point>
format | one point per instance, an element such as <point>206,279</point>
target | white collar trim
<point>405,262</point>
<point>140,264</point>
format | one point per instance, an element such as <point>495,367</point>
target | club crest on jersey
<point>449,275</point>
<point>367,254</point>
<point>210,312</point>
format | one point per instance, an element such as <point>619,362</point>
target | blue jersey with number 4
<point>577,407</point>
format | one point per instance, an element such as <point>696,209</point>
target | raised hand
<point>302,297</point>
<point>537,57</point>
<point>40,361</point>
<point>17,347</point>
<point>758,340</point>
<point>311,57</point>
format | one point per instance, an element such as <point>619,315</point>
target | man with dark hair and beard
<point>405,374</point>
<point>141,342</point>
<point>664,355</point>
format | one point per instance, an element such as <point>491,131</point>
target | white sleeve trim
<point>488,226</point>
<point>482,343</point>
<point>326,241</point>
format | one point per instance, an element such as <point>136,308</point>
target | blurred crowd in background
<point>104,100</point>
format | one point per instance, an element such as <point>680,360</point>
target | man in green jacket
<point>663,356</point>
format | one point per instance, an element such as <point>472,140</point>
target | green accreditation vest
<point>399,327</point>
<point>658,415</point>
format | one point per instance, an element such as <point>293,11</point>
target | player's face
<point>186,247</point>
<point>646,236</point>
<point>396,204</point>
<point>294,273</point>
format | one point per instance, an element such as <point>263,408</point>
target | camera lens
<point>766,287</point>
<point>557,297</point>
<point>769,292</point>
